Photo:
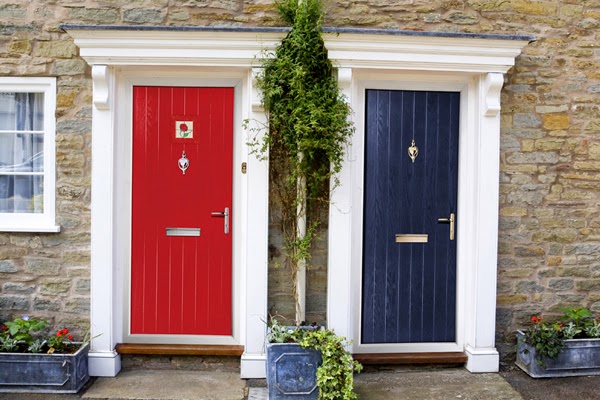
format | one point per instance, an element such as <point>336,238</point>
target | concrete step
<point>169,385</point>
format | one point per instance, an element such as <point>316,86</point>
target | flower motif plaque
<point>184,129</point>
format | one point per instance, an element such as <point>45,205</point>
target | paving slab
<point>433,385</point>
<point>169,385</point>
<point>575,387</point>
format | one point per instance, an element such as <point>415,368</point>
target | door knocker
<point>183,163</point>
<point>413,151</point>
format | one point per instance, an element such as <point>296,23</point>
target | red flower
<point>183,127</point>
<point>70,337</point>
<point>3,327</point>
<point>534,319</point>
<point>58,334</point>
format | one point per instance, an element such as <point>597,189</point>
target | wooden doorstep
<point>411,358</point>
<point>180,349</point>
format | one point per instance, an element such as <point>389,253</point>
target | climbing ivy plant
<point>308,125</point>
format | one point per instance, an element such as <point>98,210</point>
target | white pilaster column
<point>480,336</point>
<point>340,314</point>
<point>103,359</point>
<point>256,252</point>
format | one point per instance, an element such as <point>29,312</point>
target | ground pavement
<point>380,384</point>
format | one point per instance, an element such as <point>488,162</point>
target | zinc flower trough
<point>44,373</point>
<point>578,357</point>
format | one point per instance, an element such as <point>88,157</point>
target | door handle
<point>225,215</point>
<point>451,221</point>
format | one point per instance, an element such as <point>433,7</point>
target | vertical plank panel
<point>191,277</point>
<point>370,218</point>
<point>418,281</point>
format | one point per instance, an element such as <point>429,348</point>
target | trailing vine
<point>308,125</point>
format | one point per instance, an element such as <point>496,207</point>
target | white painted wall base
<point>482,359</point>
<point>253,366</point>
<point>104,363</point>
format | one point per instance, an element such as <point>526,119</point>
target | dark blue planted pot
<point>292,371</point>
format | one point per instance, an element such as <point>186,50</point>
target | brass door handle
<point>451,221</point>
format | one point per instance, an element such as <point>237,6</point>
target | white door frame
<point>407,81</point>
<point>478,180</point>
<point>126,79</point>
<point>475,68</point>
<point>361,55</point>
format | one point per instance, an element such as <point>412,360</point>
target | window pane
<point>21,152</point>
<point>21,194</point>
<point>21,111</point>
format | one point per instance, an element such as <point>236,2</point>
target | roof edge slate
<point>334,30</point>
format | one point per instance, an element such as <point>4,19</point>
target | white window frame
<point>45,221</point>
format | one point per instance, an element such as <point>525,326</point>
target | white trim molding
<point>419,60</point>
<point>44,221</point>
<point>473,67</point>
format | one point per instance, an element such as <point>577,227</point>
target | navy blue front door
<point>409,282</point>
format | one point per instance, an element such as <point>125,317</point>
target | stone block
<point>7,267</point>
<point>561,284</point>
<point>82,286</point>
<point>42,266</point>
<point>55,286</point>
<point>506,299</point>
<point>46,304</point>
<point>7,253</point>
<point>588,285</point>
<point>535,7</point>
<point>179,15</point>
<point>19,47</point>
<point>575,272</point>
<point>529,287</point>
<point>98,15</point>
<point>462,18</point>
<point>533,158</point>
<point>74,126</point>
<point>78,305</point>
<point>17,287</point>
<point>529,251</point>
<point>12,11</point>
<point>55,49</point>
<point>583,248</point>
<point>526,121</point>
<point>556,121</point>
<point>14,303</point>
<point>143,15</point>
<point>68,67</point>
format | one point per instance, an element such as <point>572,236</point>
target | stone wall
<point>549,244</point>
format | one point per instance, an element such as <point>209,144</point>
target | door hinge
<point>244,166</point>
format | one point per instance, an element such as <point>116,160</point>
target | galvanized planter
<point>44,373</point>
<point>579,357</point>
<point>292,371</point>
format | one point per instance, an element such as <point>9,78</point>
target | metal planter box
<point>44,373</point>
<point>579,357</point>
<point>292,371</point>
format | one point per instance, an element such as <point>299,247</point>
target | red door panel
<point>181,284</point>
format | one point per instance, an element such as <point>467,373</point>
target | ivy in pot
<point>335,378</point>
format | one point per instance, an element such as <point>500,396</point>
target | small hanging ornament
<point>183,162</point>
<point>413,151</point>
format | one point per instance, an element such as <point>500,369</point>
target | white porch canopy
<point>121,56</point>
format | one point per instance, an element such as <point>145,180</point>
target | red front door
<point>181,272</point>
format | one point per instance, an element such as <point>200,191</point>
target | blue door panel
<point>409,290</point>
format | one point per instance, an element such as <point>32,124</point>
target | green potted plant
<point>308,130</point>
<point>569,346</point>
<point>309,361</point>
<point>34,363</point>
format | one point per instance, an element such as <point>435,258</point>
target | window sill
<point>32,228</point>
